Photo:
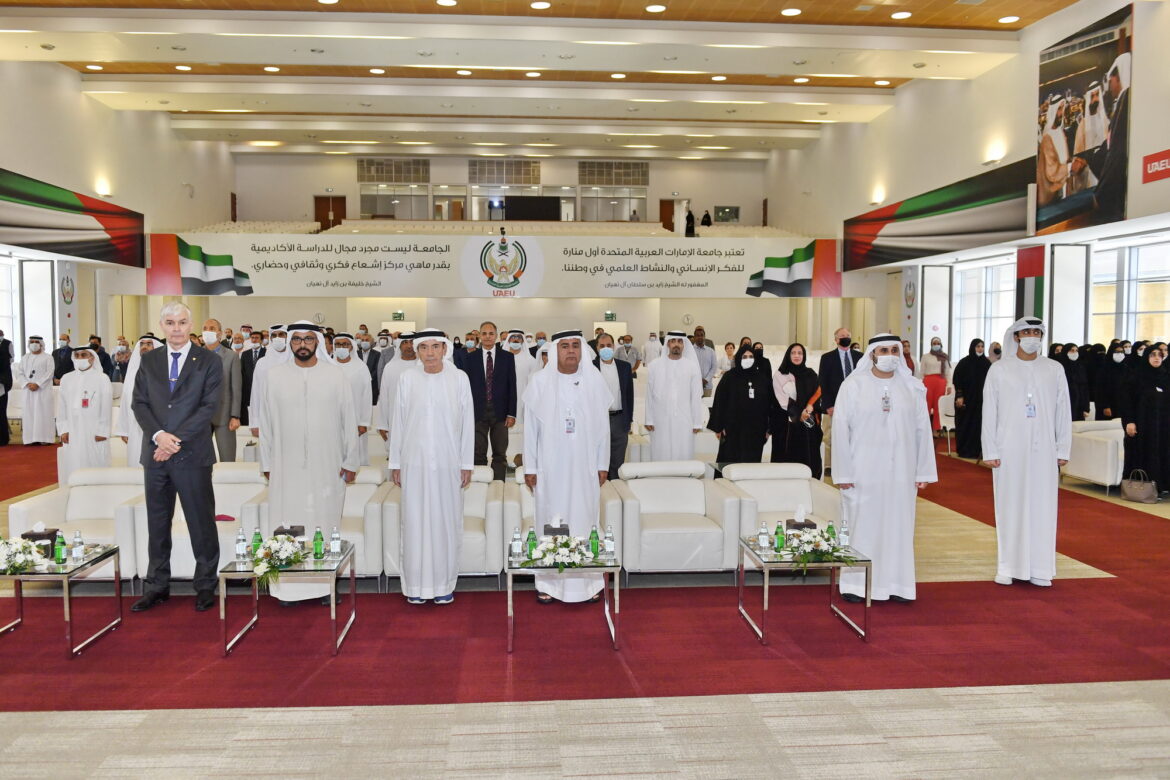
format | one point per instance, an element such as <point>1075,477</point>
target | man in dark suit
<point>541,337</point>
<point>175,396</point>
<point>226,420</point>
<point>619,377</point>
<point>834,367</point>
<point>491,372</point>
<point>1109,161</point>
<point>6,385</point>
<point>253,351</point>
<point>62,359</point>
<point>7,353</point>
<point>95,343</point>
<point>371,357</point>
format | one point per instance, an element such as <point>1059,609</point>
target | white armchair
<point>674,519</point>
<point>482,521</point>
<point>97,502</point>
<point>361,518</point>
<point>240,490</point>
<point>1097,453</point>
<point>771,492</point>
<point>946,416</point>
<point>520,511</point>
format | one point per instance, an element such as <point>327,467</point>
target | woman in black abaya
<point>741,409</point>
<point>968,378</point>
<point>796,431</point>
<point>1146,416</point>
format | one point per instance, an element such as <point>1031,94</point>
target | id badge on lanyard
<point>85,402</point>
<point>751,392</point>
<point>1030,407</point>
<point>570,422</point>
<point>886,401</point>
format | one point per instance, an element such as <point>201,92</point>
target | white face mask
<point>1030,344</point>
<point>264,343</point>
<point>279,343</point>
<point>82,364</point>
<point>515,346</point>
<point>364,345</point>
<point>34,347</point>
<point>120,348</point>
<point>363,331</point>
<point>1127,350</point>
<point>383,343</point>
<point>246,333</point>
<point>1073,356</point>
<point>238,346</point>
<point>1141,351</point>
<point>1118,357</point>
<point>210,336</point>
<point>936,347</point>
<point>747,362</point>
<point>887,363</point>
<point>341,353</point>
<point>62,343</point>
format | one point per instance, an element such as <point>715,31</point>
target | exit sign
<point>1156,166</point>
<point>399,316</point>
<point>611,316</point>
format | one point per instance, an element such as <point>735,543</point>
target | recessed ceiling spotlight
<point>414,143</point>
<point>639,146</point>
<point>1009,19</point>
<point>540,5</point>
<point>533,74</point>
<point>463,73</point>
<point>271,69</point>
<point>377,71</point>
<point>700,135</point>
<point>446,3</point>
<point>692,157</point>
<point>800,80</point>
<point>617,75</point>
<point>713,147</point>
<point>790,12</point>
<point>488,143</point>
<point>655,9</point>
<point>94,67</point>
<point>327,2</point>
<point>882,83</point>
<point>719,78</point>
<point>183,67</point>
<point>901,15</point>
<point>265,143</point>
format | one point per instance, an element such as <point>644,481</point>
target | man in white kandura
<point>566,453</point>
<point>126,426</point>
<point>1027,433</point>
<point>36,370</point>
<point>525,365</point>
<point>308,444</point>
<point>432,451</point>
<point>84,405</point>
<point>405,358</point>
<point>277,353</point>
<point>674,400</point>
<point>651,350</point>
<point>344,351</point>
<point>882,454</point>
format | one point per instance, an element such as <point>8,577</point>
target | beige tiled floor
<point>1081,730</point>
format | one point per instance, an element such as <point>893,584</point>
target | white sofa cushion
<point>737,471</point>
<point>778,495</point>
<point>1085,426</point>
<point>669,494</point>
<point>474,550</point>
<point>680,541</point>
<point>117,475</point>
<point>661,468</point>
<point>98,502</point>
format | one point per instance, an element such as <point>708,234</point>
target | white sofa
<point>361,518</point>
<point>675,519</point>
<point>482,523</point>
<point>520,511</point>
<point>97,502</point>
<point>771,493</point>
<point>946,416</point>
<point>1097,453</point>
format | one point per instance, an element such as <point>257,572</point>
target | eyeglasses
<point>303,340</point>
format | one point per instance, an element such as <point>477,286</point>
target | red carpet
<point>675,641</point>
<point>26,468</point>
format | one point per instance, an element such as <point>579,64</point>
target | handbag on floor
<point>1139,487</point>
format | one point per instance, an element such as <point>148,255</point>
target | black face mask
<point>845,342</point>
<point>997,350</point>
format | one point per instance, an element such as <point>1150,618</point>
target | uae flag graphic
<point>1030,281</point>
<point>180,268</point>
<point>41,216</point>
<point>809,272</point>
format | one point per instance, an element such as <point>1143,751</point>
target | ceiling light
<point>541,144</point>
<point>641,135</point>
<point>491,154</point>
<point>265,143</point>
<point>639,146</point>
<point>901,15</point>
<point>790,12</point>
<point>336,152</point>
<point>377,71</point>
<point>538,155</point>
<point>1009,19</point>
<point>681,72</point>
<point>733,102</point>
<point>540,5</point>
<point>463,73</point>
<point>446,3</point>
<point>183,67</point>
<point>700,135</point>
<point>232,111</point>
<point>835,75</point>
<point>712,147</point>
<point>488,143</point>
<point>533,74</point>
<point>692,157</point>
<point>351,142</point>
<point>327,2</point>
<point>608,43</point>
<point>735,46</point>
<point>648,100</point>
<point>655,9</point>
<point>617,75</point>
<point>800,80</point>
<point>819,121</point>
<point>882,83</point>
<point>719,78</point>
<point>413,143</point>
<point>310,35</point>
<point>93,67</point>
<point>271,69</point>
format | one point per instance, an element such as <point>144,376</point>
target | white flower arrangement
<point>275,554</point>
<point>814,546</point>
<point>563,552</point>
<point>19,555</point>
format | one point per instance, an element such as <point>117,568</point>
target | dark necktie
<point>175,369</point>
<point>489,373</point>
<point>848,363</point>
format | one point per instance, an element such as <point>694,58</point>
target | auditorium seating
<point>97,502</point>
<point>520,509</point>
<point>482,552</point>
<point>278,226</point>
<point>771,493</point>
<point>1097,454</point>
<point>674,519</point>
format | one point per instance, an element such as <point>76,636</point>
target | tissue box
<point>294,531</point>
<point>42,539</point>
<point>807,525</point>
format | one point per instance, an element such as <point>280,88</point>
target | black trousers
<point>192,484</point>
<point>494,430</point>
<point>3,418</point>
<point>619,437</point>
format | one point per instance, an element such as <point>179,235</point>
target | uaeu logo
<point>502,267</point>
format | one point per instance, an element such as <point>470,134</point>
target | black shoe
<point>149,600</point>
<point>901,599</point>
<point>204,600</point>
<point>852,598</point>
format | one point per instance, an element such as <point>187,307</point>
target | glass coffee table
<point>65,573</point>
<point>309,568</point>
<point>608,568</point>
<point>768,560</point>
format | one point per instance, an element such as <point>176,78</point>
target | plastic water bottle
<point>780,537</point>
<point>60,549</point>
<point>78,546</point>
<point>241,546</point>
<point>257,541</point>
<point>531,542</point>
<point>831,532</point>
<point>610,543</point>
<point>318,544</point>
<point>762,537</point>
<point>594,542</point>
<point>335,543</point>
<point>843,535</point>
<point>517,543</point>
